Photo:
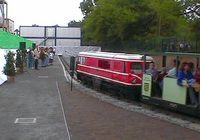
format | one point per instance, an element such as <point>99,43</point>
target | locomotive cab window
<point>104,64</point>
<point>147,65</point>
<point>136,68</point>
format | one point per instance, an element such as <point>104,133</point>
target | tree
<point>170,18</point>
<point>19,61</point>
<point>74,23</point>
<point>9,68</point>
<point>120,22</point>
<point>86,6</point>
<point>194,28</point>
<point>113,21</point>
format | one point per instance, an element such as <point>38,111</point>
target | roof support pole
<point>145,59</point>
<point>177,65</point>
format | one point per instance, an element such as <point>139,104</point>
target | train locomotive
<point>119,72</point>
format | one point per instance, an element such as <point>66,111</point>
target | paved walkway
<point>38,96</point>
<point>33,96</point>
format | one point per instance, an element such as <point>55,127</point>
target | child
<point>51,56</point>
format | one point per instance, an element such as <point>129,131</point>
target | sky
<point>43,12</point>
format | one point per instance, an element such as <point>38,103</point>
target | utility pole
<point>196,43</point>
<point>159,26</point>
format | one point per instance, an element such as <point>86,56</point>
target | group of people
<point>40,56</point>
<point>186,72</point>
<point>176,46</point>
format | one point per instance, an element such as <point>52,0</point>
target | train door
<point>119,70</point>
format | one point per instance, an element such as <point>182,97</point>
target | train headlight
<point>134,81</point>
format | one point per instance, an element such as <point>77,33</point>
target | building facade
<point>6,24</point>
<point>52,35</point>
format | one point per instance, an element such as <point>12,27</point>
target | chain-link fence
<point>162,44</point>
<point>181,44</point>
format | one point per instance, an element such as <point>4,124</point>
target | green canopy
<point>11,41</point>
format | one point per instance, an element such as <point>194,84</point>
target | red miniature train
<point>118,71</point>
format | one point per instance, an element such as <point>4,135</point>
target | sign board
<point>147,85</point>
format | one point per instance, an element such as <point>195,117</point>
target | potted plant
<point>9,68</point>
<point>19,62</point>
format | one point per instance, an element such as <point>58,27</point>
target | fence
<point>181,44</point>
<point>162,44</point>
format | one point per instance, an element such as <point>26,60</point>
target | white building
<point>52,35</point>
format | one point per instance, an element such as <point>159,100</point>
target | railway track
<point>65,61</point>
<point>66,65</point>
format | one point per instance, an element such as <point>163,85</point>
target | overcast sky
<point>44,12</point>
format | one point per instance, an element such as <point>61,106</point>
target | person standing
<point>36,57</point>
<point>30,58</point>
<point>42,56</point>
<point>46,60</point>
<point>51,56</point>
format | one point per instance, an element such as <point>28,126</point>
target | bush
<point>9,68</point>
<point>19,61</point>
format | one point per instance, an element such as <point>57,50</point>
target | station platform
<point>40,106</point>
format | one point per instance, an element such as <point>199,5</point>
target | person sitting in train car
<point>185,73</point>
<point>172,72</point>
<point>162,74</point>
<point>153,71</point>
<point>192,67</point>
<point>155,84</point>
<point>161,77</point>
<point>197,76</point>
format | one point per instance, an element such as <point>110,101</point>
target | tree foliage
<point>19,61</point>
<point>86,6</point>
<point>122,23</point>
<point>74,23</point>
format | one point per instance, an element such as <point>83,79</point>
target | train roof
<point>115,55</point>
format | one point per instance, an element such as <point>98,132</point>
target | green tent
<point>10,41</point>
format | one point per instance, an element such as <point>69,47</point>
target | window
<point>136,68</point>
<point>104,64</point>
<point>92,62</point>
<point>147,65</point>
<point>82,60</point>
